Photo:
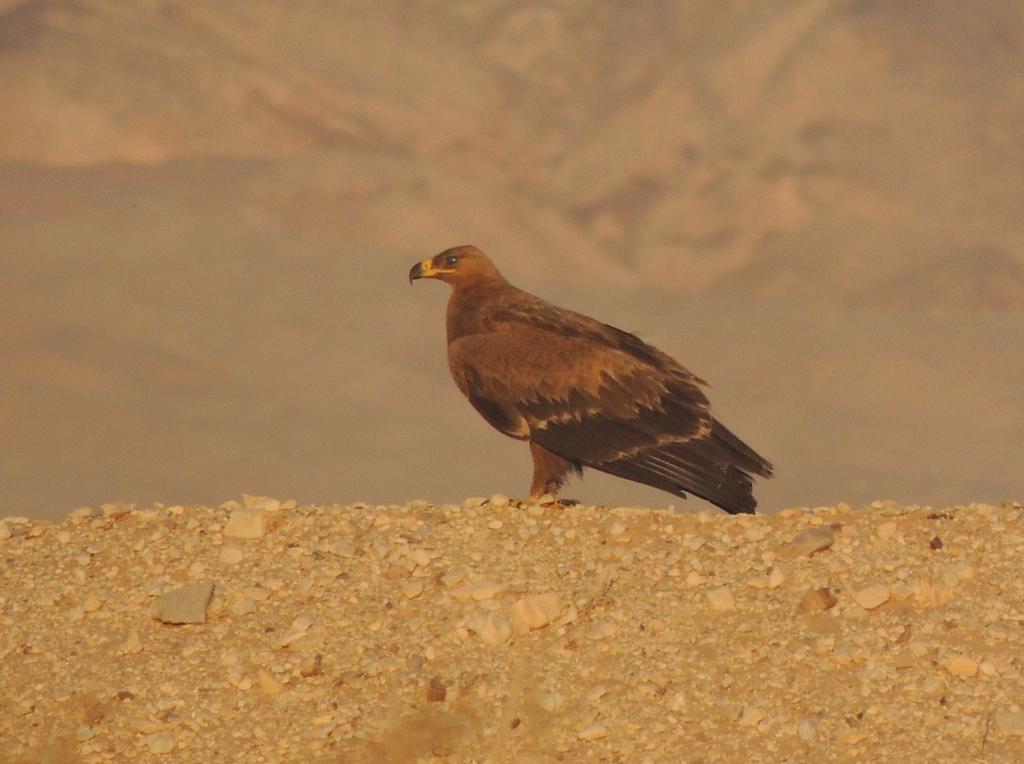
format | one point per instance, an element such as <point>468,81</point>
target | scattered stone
<point>808,730</point>
<point>453,578</point>
<point>811,540</point>
<point>187,604</point>
<point>933,687</point>
<point>493,628</point>
<point>342,548</point>
<point>616,529</point>
<point>116,509</point>
<point>693,543</point>
<point>936,543</point>
<point>721,598</point>
<point>133,645</point>
<point>534,612</point>
<point>421,557</point>
<point>145,726</point>
<point>592,732</point>
<point>872,597</point>
<point>268,684</point>
<point>261,502</point>
<point>961,666</point>
<point>551,701</point>
<point>241,605</point>
<point>246,524</point>
<point>1010,723</point>
<point>499,501</point>
<point>815,600</point>
<point>312,665</point>
<point>603,630</point>
<point>436,691</point>
<point>239,680</point>
<point>480,590</point>
<point>887,531</point>
<point>751,716</point>
<point>92,603</point>
<point>918,648</point>
<point>594,694</point>
<point>160,742</point>
<point>776,578</point>
<point>904,660</point>
<point>5,532</point>
<point>299,628</point>
<point>231,555</point>
<point>412,589</point>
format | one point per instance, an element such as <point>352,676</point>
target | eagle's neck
<point>468,305</point>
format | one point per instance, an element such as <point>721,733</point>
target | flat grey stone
<point>185,605</point>
<point>811,540</point>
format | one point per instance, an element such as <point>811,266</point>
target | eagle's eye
<point>450,261</point>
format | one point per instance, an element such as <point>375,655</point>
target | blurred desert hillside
<point>207,212</point>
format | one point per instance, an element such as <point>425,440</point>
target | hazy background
<point>208,211</point>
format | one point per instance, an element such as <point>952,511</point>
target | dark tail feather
<point>744,456</point>
<point>716,468</point>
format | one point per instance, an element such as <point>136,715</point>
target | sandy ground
<point>495,632</point>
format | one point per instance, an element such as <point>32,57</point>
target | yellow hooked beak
<point>426,270</point>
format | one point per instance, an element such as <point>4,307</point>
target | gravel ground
<point>495,632</point>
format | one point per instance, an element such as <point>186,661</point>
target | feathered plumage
<point>583,393</point>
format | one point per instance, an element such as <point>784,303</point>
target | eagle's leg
<point>549,472</point>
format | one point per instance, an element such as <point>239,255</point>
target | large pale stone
<point>1010,723</point>
<point>817,599</point>
<point>811,540</point>
<point>534,612</point>
<point>961,666</point>
<point>721,598</point>
<point>185,605</point>
<point>246,524</point>
<point>873,596</point>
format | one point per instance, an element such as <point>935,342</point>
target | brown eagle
<point>583,393</point>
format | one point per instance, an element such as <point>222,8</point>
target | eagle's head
<point>457,266</point>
